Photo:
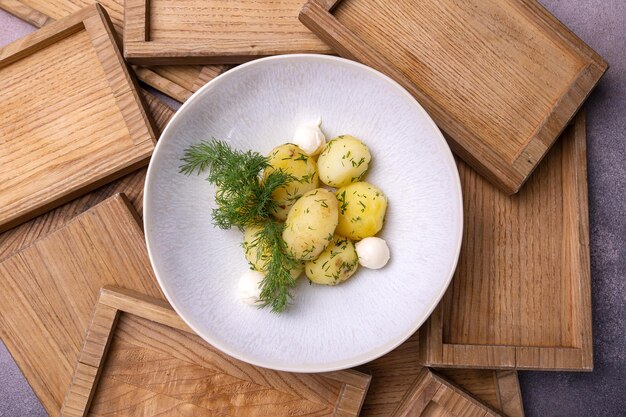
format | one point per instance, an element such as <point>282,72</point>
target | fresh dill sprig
<point>244,199</point>
<point>275,288</point>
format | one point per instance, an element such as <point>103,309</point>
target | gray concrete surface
<point>602,393</point>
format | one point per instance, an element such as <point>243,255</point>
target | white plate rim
<point>347,363</point>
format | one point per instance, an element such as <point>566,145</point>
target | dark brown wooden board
<point>521,295</point>
<point>501,78</point>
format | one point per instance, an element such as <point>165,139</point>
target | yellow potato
<point>344,160</point>
<point>362,208</point>
<point>338,262</point>
<point>310,224</point>
<point>294,161</point>
<point>258,259</point>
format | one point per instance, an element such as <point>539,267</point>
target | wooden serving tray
<point>138,349</point>
<point>433,396</point>
<point>72,118</point>
<point>48,290</point>
<point>502,78</point>
<point>393,376</point>
<point>178,82</point>
<point>23,236</point>
<point>166,32</point>
<point>521,294</point>
<point>131,185</point>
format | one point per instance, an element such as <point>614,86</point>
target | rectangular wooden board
<point>131,185</point>
<point>178,82</point>
<point>166,32</point>
<point>48,290</point>
<point>432,396</point>
<point>521,294</point>
<point>138,348</point>
<point>501,78</point>
<point>72,118</point>
<point>394,373</point>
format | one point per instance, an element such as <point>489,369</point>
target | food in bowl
<point>290,224</point>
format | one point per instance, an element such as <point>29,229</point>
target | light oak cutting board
<point>178,82</point>
<point>166,32</point>
<point>502,78</point>
<point>131,185</point>
<point>521,294</point>
<point>48,290</point>
<point>72,117</point>
<point>139,358</point>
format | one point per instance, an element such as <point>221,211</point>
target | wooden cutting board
<point>393,376</point>
<point>166,32</point>
<point>131,185</point>
<point>520,297</point>
<point>502,78</point>
<point>48,290</point>
<point>178,82</point>
<point>140,358</point>
<point>72,118</point>
<point>433,396</point>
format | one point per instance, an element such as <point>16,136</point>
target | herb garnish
<point>244,200</point>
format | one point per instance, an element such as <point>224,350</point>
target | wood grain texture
<point>131,185</point>
<point>165,32</point>
<point>48,291</point>
<point>156,365</point>
<point>498,389</point>
<point>520,297</point>
<point>433,396</point>
<point>72,116</point>
<point>502,78</point>
<point>394,373</point>
<point>178,82</point>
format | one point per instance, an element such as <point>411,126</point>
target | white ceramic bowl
<point>257,106</point>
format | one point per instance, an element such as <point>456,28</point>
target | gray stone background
<point>602,25</point>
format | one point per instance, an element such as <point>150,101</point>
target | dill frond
<point>244,199</point>
<point>278,281</point>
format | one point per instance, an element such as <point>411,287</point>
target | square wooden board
<point>48,290</point>
<point>131,185</point>
<point>433,396</point>
<point>137,348</point>
<point>178,82</point>
<point>394,374</point>
<point>502,78</point>
<point>72,118</point>
<point>166,32</point>
<point>521,294</point>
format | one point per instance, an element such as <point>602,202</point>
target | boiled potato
<point>344,160</point>
<point>336,263</point>
<point>310,224</point>
<point>294,161</point>
<point>362,208</point>
<point>257,258</point>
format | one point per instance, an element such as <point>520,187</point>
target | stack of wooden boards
<point>74,119</point>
